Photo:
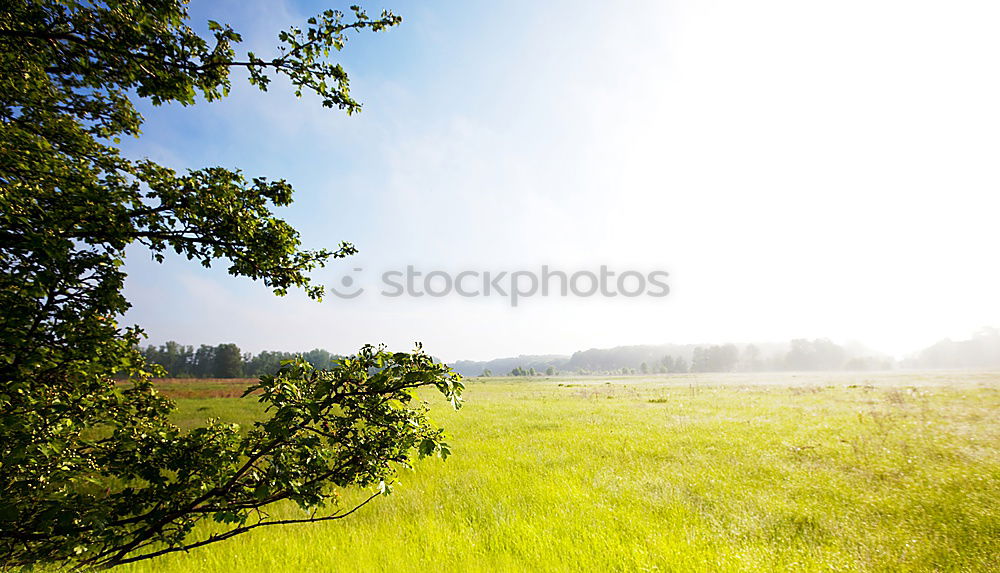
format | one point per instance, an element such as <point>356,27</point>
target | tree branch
<point>234,532</point>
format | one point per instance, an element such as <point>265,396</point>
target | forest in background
<point>980,351</point>
<point>226,360</point>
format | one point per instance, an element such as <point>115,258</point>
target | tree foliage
<point>92,472</point>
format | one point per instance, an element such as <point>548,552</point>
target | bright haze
<point>801,169</point>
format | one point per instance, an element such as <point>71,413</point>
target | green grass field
<point>836,472</point>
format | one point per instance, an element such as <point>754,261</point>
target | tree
<point>723,358</point>
<point>680,365</point>
<point>319,358</point>
<point>819,354</point>
<point>92,473</point>
<point>267,362</point>
<point>176,359</point>
<point>751,358</point>
<point>668,363</point>
<point>228,361</point>
<point>699,360</point>
<point>204,361</point>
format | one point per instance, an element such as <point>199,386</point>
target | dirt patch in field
<point>203,387</point>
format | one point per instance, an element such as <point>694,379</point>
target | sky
<point>799,169</point>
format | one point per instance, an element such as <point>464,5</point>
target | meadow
<point>713,472</point>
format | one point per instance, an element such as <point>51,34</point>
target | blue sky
<point>800,170</point>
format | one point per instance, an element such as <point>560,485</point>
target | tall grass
<point>704,473</point>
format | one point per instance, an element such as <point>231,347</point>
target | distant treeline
<point>980,351</point>
<point>799,354</point>
<point>226,360</point>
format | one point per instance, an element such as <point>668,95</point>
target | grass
<point>838,472</point>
